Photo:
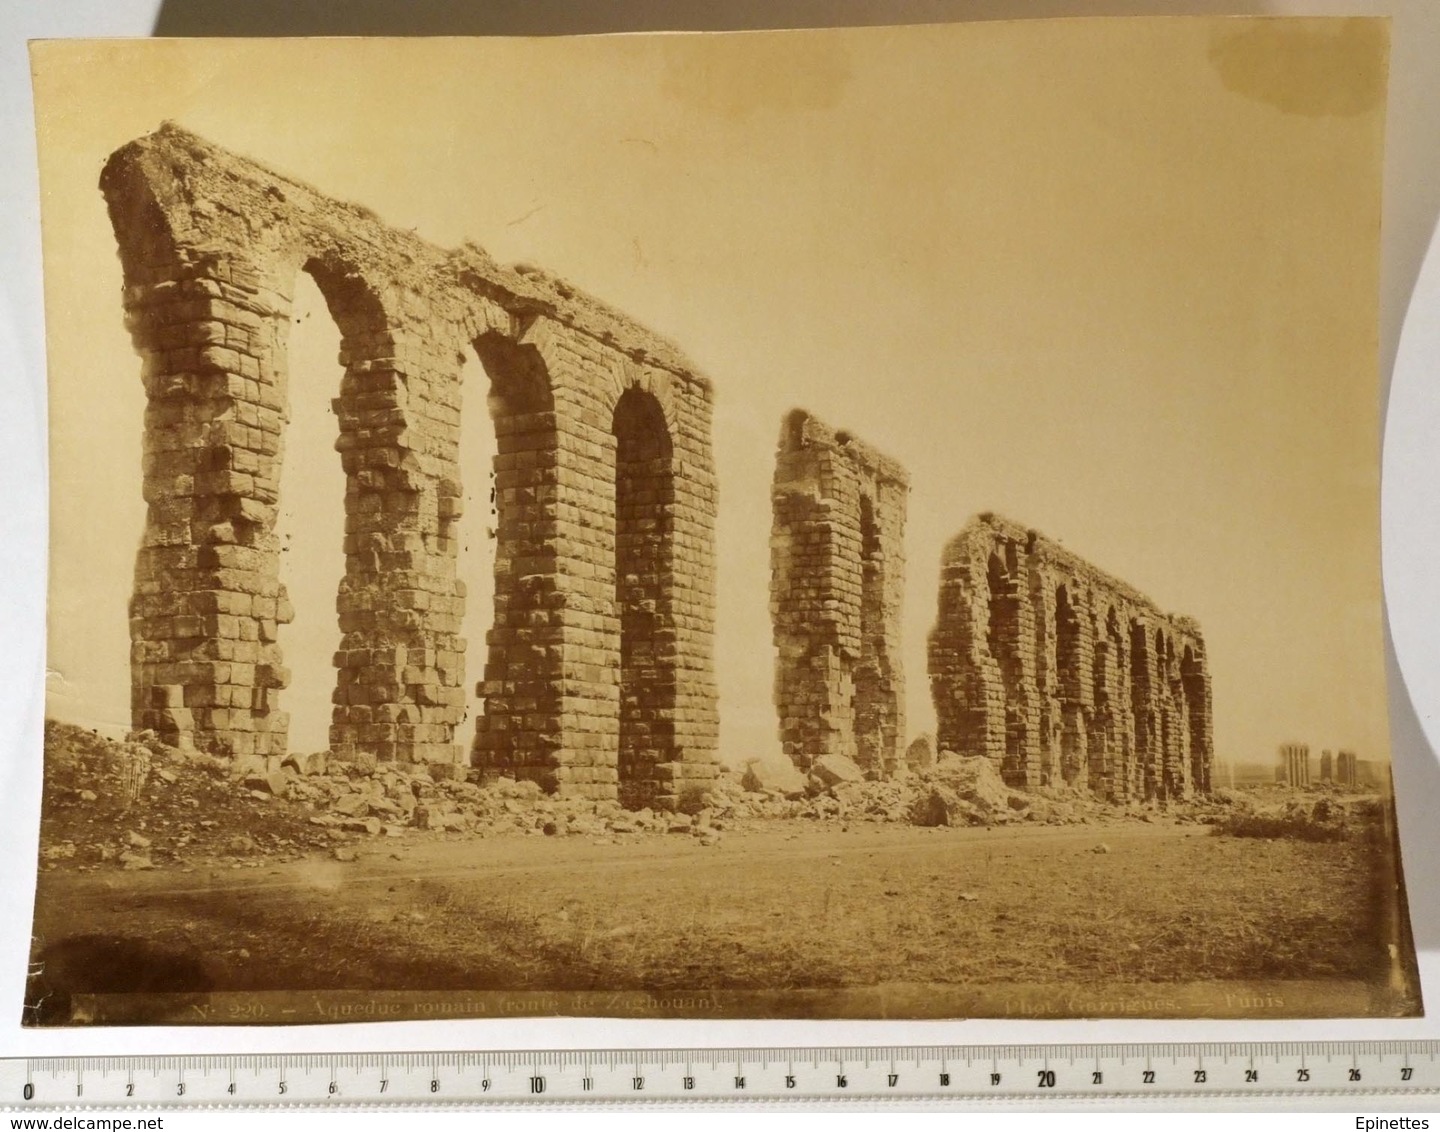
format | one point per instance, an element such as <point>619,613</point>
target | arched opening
<point>1070,682</point>
<point>475,531</point>
<point>1142,707</point>
<point>1003,638</point>
<point>1107,765</point>
<point>517,731</point>
<point>871,715</point>
<point>310,526</point>
<point>644,576</point>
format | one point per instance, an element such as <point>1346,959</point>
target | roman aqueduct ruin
<point>837,555</point>
<point>599,678</point>
<point>1061,673</point>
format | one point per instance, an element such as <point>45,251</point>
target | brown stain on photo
<point>1313,68</point>
<point>738,76</point>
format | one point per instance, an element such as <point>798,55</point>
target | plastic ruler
<point>1003,1074</point>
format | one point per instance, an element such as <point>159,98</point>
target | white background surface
<point>1411,504</point>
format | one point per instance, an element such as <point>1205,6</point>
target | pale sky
<point>1115,280</point>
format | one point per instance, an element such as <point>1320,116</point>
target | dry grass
<point>818,910</point>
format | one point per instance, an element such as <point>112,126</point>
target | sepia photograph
<point>858,523</point>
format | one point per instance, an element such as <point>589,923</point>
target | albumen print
<point>836,524</point>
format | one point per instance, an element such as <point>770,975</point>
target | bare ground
<point>164,874</point>
<point>795,907</point>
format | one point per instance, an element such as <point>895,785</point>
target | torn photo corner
<point>871,523</point>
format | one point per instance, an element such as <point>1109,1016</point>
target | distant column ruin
<point>1347,769</point>
<point>1327,767</point>
<point>599,678</point>
<point>837,585</point>
<point>1057,672</point>
<point>1295,764</point>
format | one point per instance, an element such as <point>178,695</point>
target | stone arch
<point>523,674</point>
<point>355,309</point>
<point>1070,681</point>
<point>209,244</point>
<point>628,375</point>
<point>644,590</point>
<point>311,511</point>
<point>1142,691</point>
<point>1107,762</point>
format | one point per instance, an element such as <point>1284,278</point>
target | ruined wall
<point>837,585</point>
<point>1058,672</point>
<point>598,677</point>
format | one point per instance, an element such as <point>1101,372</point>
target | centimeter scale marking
<point>1003,1073</point>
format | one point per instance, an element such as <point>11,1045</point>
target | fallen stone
<point>940,806</point>
<point>315,763</point>
<point>130,860</point>
<point>247,765</point>
<point>762,776</point>
<point>920,755</point>
<point>829,770</point>
<point>976,780</point>
<point>351,805</point>
<point>345,853</point>
<point>270,782</point>
<point>136,840</point>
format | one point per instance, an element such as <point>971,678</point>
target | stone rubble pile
<point>139,803</point>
